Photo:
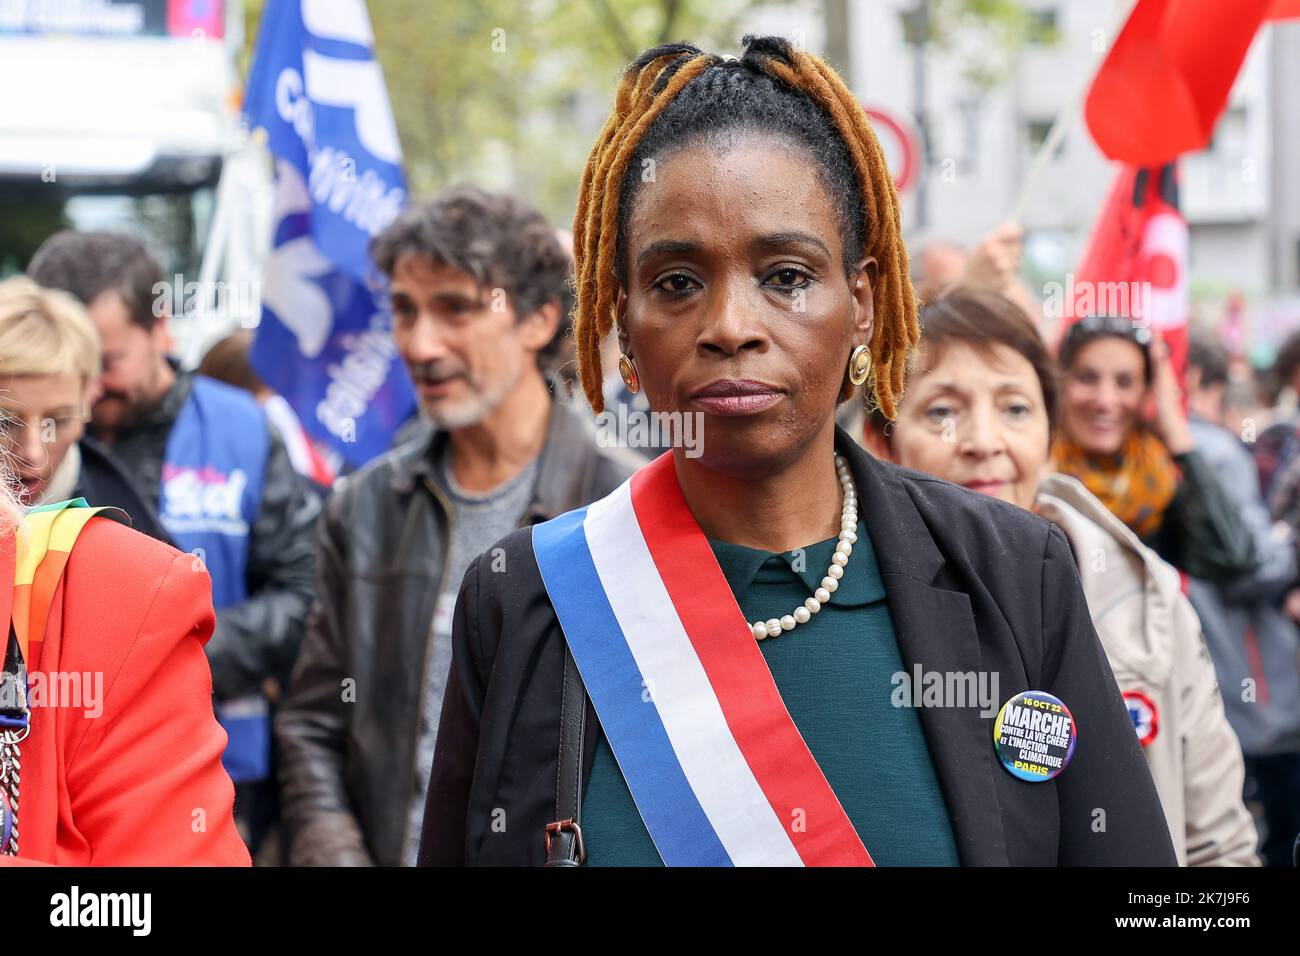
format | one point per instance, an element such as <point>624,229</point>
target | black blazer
<point>973,584</point>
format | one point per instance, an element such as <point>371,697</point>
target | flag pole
<point>1051,142</point>
<point>1065,118</point>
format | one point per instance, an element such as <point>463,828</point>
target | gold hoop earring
<point>859,365</point>
<point>628,371</point>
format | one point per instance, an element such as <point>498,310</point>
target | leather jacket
<point>348,729</point>
<point>1203,533</point>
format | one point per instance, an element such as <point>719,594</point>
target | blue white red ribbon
<point>718,770</point>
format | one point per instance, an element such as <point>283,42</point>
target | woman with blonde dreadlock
<point>767,648</point>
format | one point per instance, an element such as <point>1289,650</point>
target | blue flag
<point>325,338</point>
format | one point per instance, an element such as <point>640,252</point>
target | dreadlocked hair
<point>675,95</point>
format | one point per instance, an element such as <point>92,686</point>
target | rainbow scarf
<point>44,540</point>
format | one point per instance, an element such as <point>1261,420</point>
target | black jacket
<point>102,481</point>
<point>258,638</point>
<point>347,750</point>
<point>1203,532</point>
<point>974,585</point>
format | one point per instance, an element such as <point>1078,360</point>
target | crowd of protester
<point>336,596</point>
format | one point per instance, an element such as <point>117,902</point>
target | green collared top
<point>837,676</point>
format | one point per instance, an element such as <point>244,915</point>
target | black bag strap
<point>564,845</point>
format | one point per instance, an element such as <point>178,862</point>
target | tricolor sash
<point>719,772</point>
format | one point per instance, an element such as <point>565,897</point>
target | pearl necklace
<point>839,560</point>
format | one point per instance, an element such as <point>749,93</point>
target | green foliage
<point>511,93</point>
<point>983,35</point>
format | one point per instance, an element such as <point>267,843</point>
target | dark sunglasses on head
<point>1111,325</point>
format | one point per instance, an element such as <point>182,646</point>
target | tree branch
<point>671,9</point>
<point>624,42</point>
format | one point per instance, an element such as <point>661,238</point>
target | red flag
<point>1166,80</point>
<point>1135,264</point>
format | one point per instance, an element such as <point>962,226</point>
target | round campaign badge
<point>1145,717</point>
<point>1034,736</point>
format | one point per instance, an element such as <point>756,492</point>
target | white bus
<point>120,114</point>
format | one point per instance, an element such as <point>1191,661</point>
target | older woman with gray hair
<point>980,411</point>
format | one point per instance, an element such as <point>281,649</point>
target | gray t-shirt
<point>478,521</point>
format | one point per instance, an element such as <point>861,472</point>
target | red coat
<point>140,784</point>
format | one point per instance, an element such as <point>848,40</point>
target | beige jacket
<point>1153,640</point>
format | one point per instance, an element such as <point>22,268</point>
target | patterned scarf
<point>44,541</point>
<point>1136,485</point>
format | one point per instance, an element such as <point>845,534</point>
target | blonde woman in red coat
<point>119,761</point>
